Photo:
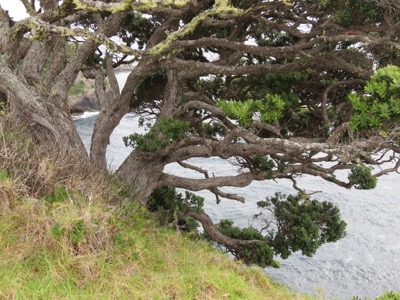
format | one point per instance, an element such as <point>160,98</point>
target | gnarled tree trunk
<point>142,171</point>
<point>49,121</point>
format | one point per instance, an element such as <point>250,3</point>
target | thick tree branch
<point>29,7</point>
<point>324,102</point>
<point>98,37</point>
<point>215,235</point>
<point>217,192</point>
<point>143,5</point>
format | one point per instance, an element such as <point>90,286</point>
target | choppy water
<point>366,263</point>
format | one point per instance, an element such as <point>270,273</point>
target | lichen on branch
<point>128,5</point>
<point>220,7</point>
<point>40,27</point>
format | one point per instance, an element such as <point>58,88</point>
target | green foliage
<point>259,253</point>
<point>166,201</point>
<point>213,129</point>
<point>293,223</point>
<point>168,198</point>
<point>389,296</point>
<point>57,230</point>
<point>78,88</point>
<point>344,17</point>
<point>302,224</point>
<point>268,110</point>
<point>263,163</point>
<point>167,131</point>
<point>150,88</point>
<point>4,175</point>
<point>249,233</point>
<point>136,29</point>
<point>60,194</point>
<point>362,177</point>
<point>77,231</point>
<point>379,105</point>
<point>350,12</point>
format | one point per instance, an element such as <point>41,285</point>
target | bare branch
<point>218,193</point>
<point>29,7</point>
<point>44,27</point>
<point>240,180</point>
<point>395,168</point>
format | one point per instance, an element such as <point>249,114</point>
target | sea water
<point>366,263</point>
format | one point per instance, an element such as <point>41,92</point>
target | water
<point>366,263</point>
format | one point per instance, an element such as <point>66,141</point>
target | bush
<point>362,178</point>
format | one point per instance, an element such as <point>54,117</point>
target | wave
<point>86,114</point>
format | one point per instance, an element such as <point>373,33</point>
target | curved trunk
<point>49,121</point>
<point>112,113</point>
<point>104,126</point>
<point>141,171</point>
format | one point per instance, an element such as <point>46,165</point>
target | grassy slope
<point>67,232</point>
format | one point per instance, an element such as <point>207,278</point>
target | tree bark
<point>48,121</point>
<point>142,171</point>
<point>234,245</point>
<point>111,115</point>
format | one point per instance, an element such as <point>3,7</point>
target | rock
<point>76,110</point>
<point>88,103</point>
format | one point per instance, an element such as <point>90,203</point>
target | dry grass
<point>42,170</point>
<point>61,239</point>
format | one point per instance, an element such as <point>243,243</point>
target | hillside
<point>70,232</point>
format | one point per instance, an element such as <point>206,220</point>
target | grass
<point>121,255</point>
<point>70,232</point>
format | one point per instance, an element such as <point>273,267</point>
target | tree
<point>278,88</point>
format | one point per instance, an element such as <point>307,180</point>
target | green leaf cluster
<point>263,163</point>
<point>213,128</point>
<point>350,12</point>
<point>167,131</point>
<point>166,200</point>
<point>292,223</point>
<point>302,224</point>
<point>258,253</point>
<point>77,232</point>
<point>269,109</point>
<point>362,177</point>
<point>389,296</point>
<point>380,102</point>
<point>135,28</point>
<point>4,175</point>
<point>60,194</point>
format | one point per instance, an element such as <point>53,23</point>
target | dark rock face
<point>76,110</point>
<point>88,103</point>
